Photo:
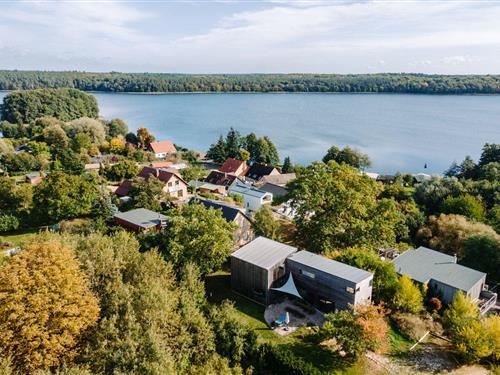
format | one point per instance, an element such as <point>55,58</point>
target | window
<point>349,289</point>
<point>176,182</point>
<point>371,282</point>
<point>308,274</point>
<point>180,193</point>
<point>169,184</point>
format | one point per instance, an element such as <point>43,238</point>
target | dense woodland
<point>90,298</point>
<point>163,82</point>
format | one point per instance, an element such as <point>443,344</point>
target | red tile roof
<point>164,175</point>
<point>232,165</point>
<point>161,164</point>
<point>161,147</point>
<point>220,178</point>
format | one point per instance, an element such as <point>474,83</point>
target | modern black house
<point>260,269</point>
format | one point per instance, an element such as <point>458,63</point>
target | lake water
<point>399,132</point>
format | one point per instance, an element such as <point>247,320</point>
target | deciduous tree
<point>407,297</point>
<point>264,224</point>
<point>337,207</point>
<point>45,306</point>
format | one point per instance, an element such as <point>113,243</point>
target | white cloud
<point>283,36</point>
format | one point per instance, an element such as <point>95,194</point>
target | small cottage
<point>162,149</point>
<point>140,220</point>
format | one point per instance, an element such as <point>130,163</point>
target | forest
<point>166,82</point>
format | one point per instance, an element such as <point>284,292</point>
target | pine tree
<point>217,151</point>
<point>287,166</point>
<point>233,143</point>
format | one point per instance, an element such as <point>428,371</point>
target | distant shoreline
<point>268,92</point>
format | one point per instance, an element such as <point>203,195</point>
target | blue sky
<point>452,37</point>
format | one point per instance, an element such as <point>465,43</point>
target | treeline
<point>164,82</point>
<point>65,104</point>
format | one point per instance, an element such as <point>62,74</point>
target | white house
<point>253,198</point>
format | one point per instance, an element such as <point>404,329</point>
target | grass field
<point>20,237</point>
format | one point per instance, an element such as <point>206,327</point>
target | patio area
<point>300,315</point>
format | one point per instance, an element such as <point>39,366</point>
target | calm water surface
<point>399,132</point>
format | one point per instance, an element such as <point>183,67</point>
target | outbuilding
<point>140,220</point>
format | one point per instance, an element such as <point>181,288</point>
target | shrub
<point>8,223</point>
<point>407,297</point>
<point>466,205</point>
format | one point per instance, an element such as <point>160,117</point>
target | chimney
<point>455,258</point>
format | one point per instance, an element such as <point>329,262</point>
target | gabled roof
<point>279,179</point>
<point>257,171</point>
<point>141,217</point>
<point>124,188</point>
<point>232,165</point>
<point>424,264</point>
<point>330,266</point>
<point>264,253</point>
<point>162,147</point>
<point>230,213</point>
<point>220,178</point>
<point>162,174</point>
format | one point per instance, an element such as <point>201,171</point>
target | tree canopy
<point>347,155</point>
<point>165,82</point>
<point>337,207</point>
<point>46,306</point>
<point>65,104</point>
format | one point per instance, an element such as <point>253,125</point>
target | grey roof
<point>141,217</point>
<point>330,266</point>
<point>279,179</point>
<point>264,253</point>
<point>276,190</point>
<point>230,213</point>
<point>424,264</point>
<point>243,189</point>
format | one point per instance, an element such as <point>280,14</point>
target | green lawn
<point>398,343</point>
<point>218,288</point>
<point>21,236</point>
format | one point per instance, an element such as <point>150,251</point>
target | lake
<point>399,132</point>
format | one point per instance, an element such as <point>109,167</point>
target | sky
<point>446,37</point>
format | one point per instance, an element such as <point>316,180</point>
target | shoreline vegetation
<point>161,83</point>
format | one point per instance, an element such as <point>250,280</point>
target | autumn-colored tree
<point>117,145</point>
<point>461,312</point>
<point>144,138</point>
<point>375,327</point>
<point>45,306</point>
<point>448,233</point>
<point>408,297</point>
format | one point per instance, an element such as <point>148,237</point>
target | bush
<point>8,223</point>
<point>407,297</point>
<point>414,326</point>
<point>465,205</point>
<point>281,360</point>
<point>447,233</point>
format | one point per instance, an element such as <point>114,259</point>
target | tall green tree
<point>337,207</point>
<point>233,143</point>
<point>287,165</point>
<point>64,196</point>
<point>197,235</point>
<point>217,151</point>
<point>482,253</point>
<point>264,224</point>
<point>347,155</point>
<point>490,154</point>
<point>148,193</point>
